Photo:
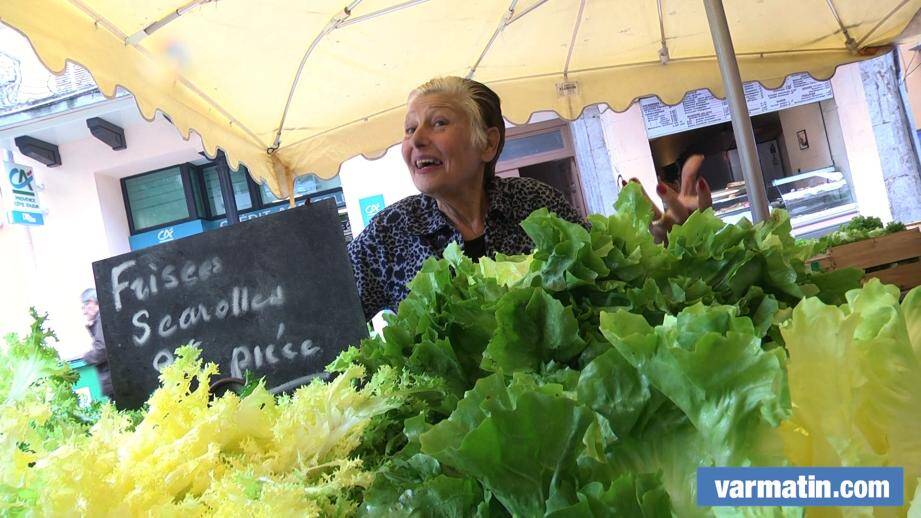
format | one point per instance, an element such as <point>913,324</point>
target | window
<point>192,191</point>
<point>156,198</point>
<point>199,196</point>
<point>305,185</point>
<point>532,145</point>
<point>213,189</point>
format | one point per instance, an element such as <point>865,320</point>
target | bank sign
<point>165,235</point>
<point>19,197</point>
<point>370,206</point>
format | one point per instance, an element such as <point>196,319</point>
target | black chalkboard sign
<point>275,296</point>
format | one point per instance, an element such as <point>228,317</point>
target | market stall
<point>592,377</point>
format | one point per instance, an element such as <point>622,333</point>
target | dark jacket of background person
<point>97,356</point>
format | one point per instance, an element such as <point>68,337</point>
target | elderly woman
<point>453,136</point>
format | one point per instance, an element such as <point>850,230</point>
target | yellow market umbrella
<point>294,87</point>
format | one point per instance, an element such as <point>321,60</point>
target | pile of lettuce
<point>38,410</point>
<point>596,374</point>
<point>590,378</point>
<point>854,374</point>
<point>858,229</point>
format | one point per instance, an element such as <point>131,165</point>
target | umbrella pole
<point>738,109</point>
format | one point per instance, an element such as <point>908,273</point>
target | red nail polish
<point>661,189</point>
<point>701,184</point>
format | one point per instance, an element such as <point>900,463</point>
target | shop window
<point>199,196</point>
<point>543,151</point>
<point>189,191</point>
<point>156,198</point>
<point>213,189</point>
<point>806,195</point>
<point>800,175</point>
<point>532,145</point>
<point>305,185</point>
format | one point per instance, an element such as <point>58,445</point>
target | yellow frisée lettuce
<point>255,455</point>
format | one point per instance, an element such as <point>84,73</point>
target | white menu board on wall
<point>700,108</point>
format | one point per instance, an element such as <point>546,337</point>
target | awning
<point>296,87</point>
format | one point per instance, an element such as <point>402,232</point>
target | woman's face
<point>438,148</point>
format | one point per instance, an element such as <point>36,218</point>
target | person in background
<point>97,355</point>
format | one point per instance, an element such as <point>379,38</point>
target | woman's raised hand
<point>693,194</point>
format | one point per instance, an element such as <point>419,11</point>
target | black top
<point>391,249</point>
<point>476,247</point>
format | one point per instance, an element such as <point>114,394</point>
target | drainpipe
<point>901,76</point>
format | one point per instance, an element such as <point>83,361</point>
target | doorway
<point>543,151</point>
<point>559,175</point>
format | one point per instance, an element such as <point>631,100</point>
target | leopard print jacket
<point>391,249</point>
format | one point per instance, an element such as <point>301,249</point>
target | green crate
<point>87,387</point>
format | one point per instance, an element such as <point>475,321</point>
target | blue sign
<point>26,218</point>
<point>370,206</point>
<point>796,486</point>
<point>166,234</point>
<point>19,196</point>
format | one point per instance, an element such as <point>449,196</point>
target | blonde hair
<point>480,104</point>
